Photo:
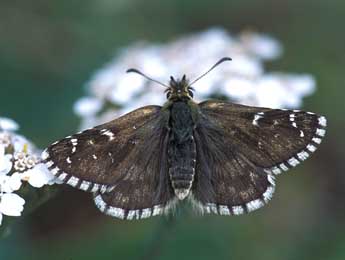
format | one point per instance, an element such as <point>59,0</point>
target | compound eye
<point>191,93</point>
<point>168,95</point>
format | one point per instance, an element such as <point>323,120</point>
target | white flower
<point>242,80</point>
<point>239,88</point>
<point>11,204</point>
<point>87,106</point>
<point>20,143</point>
<point>7,124</point>
<point>39,176</point>
<point>122,93</point>
<point>19,163</point>
<point>5,161</point>
<point>262,45</point>
<point>10,183</point>
<point>5,139</point>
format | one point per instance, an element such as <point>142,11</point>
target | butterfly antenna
<point>214,66</point>
<point>145,76</point>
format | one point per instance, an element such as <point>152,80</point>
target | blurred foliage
<point>48,51</point>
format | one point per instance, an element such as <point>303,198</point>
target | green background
<point>49,49</point>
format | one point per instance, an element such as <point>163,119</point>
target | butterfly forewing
<point>244,146</point>
<point>125,156</point>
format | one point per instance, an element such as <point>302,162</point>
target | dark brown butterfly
<point>221,156</point>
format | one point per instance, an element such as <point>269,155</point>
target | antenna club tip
<point>226,58</point>
<point>130,70</point>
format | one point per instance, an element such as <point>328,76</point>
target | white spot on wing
<point>109,134</point>
<point>271,179</point>
<point>238,210</point>
<point>45,155</point>
<point>68,160</point>
<point>268,194</point>
<point>303,155</point>
<point>224,210</point>
<point>131,214</point>
<point>301,133</point>
<point>73,181</point>
<point>311,148</point>
<point>320,132</point>
<point>85,185</point>
<point>95,187</point>
<point>293,161</point>
<point>292,117</point>
<point>276,170</point>
<point>256,118</point>
<point>103,188</point>
<point>316,140</point>
<point>254,204</point>
<point>101,205</point>
<point>49,164</point>
<point>213,208</point>
<point>55,171</point>
<point>116,212</point>
<point>157,210</point>
<point>283,167</point>
<point>322,121</point>
<point>146,213</point>
<point>62,176</point>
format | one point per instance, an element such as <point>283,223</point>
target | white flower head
<point>87,106</point>
<point>39,176</point>
<point>10,183</point>
<point>7,124</point>
<point>261,45</point>
<point>5,161</point>
<point>19,163</point>
<point>242,80</point>
<point>11,204</point>
<point>5,139</point>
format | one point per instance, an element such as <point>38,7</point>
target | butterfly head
<point>179,89</point>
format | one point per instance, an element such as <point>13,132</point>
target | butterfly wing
<point>241,148</point>
<point>125,158</point>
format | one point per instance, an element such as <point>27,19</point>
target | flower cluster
<point>19,164</point>
<point>112,92</point>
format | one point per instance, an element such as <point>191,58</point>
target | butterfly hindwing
<point>124,158</point>
<point>226,182</point>
<point>145,189</point>
<point>245,147</point>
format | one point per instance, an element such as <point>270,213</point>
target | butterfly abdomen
<point>182,149</point>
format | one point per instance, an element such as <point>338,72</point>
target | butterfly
<point>221,156</point>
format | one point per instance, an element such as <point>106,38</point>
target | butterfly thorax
<point>181,149</point>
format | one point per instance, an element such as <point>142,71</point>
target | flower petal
<point>87,106</point>
<point>15,181</point>
<point>38,176</point>
<point>11,204</point>
<point>8,124</point>
<point>5,162</point>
